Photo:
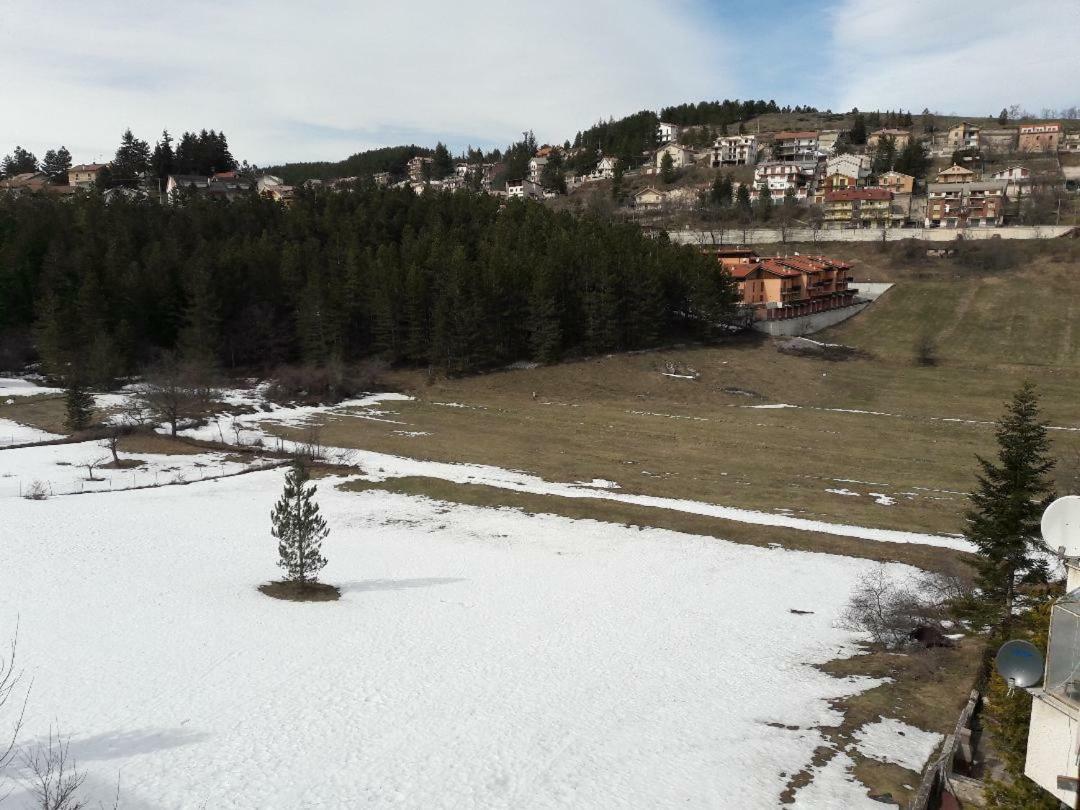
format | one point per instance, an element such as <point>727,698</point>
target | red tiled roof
<point>787,136</point>
<point>849,194</point>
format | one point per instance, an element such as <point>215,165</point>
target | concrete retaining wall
<point>756,236</point>
<point>808,324</point>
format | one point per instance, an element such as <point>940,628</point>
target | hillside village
<point>830,172</point>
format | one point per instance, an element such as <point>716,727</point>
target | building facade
<point>734,150</point>
<point>795,146</point>
<point>960,205</point>
<point>859,208</point>
<point>85,174</point>
<point>780,287</point>
<point>963,136</point>
<point>1039,138</point>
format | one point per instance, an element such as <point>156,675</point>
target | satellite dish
<point>1020,663</point>
<point>1061,525</point>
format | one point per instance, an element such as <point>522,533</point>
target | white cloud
<point>964,59</point>
<point>323,79</point>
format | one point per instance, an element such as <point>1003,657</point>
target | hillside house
<point>222,186</point>
<point>900,138</point>
<point>734,150</point>
<point>1069,142</point>
<point>1018,181</point>
<point>781,287</point>
<point>25,182</point>
<point>778,177</point>
<point>524,189</point>
<point>1039,138</point>
<point>666,133</point>
<point>85,174</point>
<point>795,146</point>
<point>955,174</point>
<point>536,168</point>
<point>649,199</point>
<point>415,168</point>
<point>827,139</point>
<point>960,205</point>
<point>897,182</point>
<point>681,156</point>
<point>605,169</point>
<point>859,208</point>
<point>851,164</point>
<point>963,136</point>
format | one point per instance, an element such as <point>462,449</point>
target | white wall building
<point>734,150</point>
<point>666,133</point>
<point>680,155</point>
<point>536,168</point>
<point>524,189</point>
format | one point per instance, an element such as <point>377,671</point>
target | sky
<point>322,79</point>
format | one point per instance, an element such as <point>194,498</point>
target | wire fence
<point>125,480</point>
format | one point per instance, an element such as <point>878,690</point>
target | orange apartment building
<point>1040,138</point>
<point>780,287</point>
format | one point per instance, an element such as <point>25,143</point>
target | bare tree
<point>891,610</point>
<point>92,465</point>
<point>54,779</point>
<point>175,391</point>
<point>12,709</point>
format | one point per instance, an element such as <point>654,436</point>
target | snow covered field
<point>477,657</point>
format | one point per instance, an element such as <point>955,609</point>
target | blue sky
<point>326,78</point>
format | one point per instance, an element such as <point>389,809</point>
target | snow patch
<point>843,492</point>
<point>894,741</point>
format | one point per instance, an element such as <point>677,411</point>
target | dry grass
<point>925,557</point>
<point>156,443</point>
<point>301,591</point>
<point>877,424</point>
<point>45,412</point>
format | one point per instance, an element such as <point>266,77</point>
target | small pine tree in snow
<point>299,528</point>
<point>79,404</point>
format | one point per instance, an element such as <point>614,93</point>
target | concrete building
<point>681,156</point>
<point>900,138</point>
<point>649,199</point>
<point>961,205</point>
<point>859,208</point>
<point>524,189</point>
<point>85,174</point>
<point>536,168</point>
<point>734,150</point>
<point>415,167</point>
<point>779,177</point>
<point>1018,181</point>
<point>666,133</point>
<point>963,136</point>
<point>795,146</point>
<point>857,166</point>
<point>955,174</point>
<point>827,139</point>
<point>781,287</point>
<point>897,182</point>
<point>1039,138</point>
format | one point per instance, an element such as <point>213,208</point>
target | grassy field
<point>879,425</point>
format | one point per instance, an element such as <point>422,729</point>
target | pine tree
<point>858,130</point>
<point>132,160</point>
<point>442,164</point>
<point>299,528</point>
<point>764,206</point>
<point>667,168</point>
<point>742,202</point>
<point>19,161</point>
<point>163,160</point>
<point>79,406</point>
<point>56,165</point>
<point>1006,507</point>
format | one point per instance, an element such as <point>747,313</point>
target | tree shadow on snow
<point>122,744</point>
<point>395,584</point>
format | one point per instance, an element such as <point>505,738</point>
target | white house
<point>649,199</point>
<point>857,166</point>
<point>680,155</point>
<point>780,176</point>
<point>524,189</point>
<point>666,133</point>
<point>1018,180</point>
<point>605,169</point>
<point>734,150</point>
<point>536,168</point>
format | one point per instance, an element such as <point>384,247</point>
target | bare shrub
<point>891,610</point>
<point>324,384</point>
<point>175,391</point>
<point>54,780</point>
<point>12,709</point>
<point>926,350</point>
<point>37,491</point>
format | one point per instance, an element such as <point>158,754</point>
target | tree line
<point>455,281</point>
